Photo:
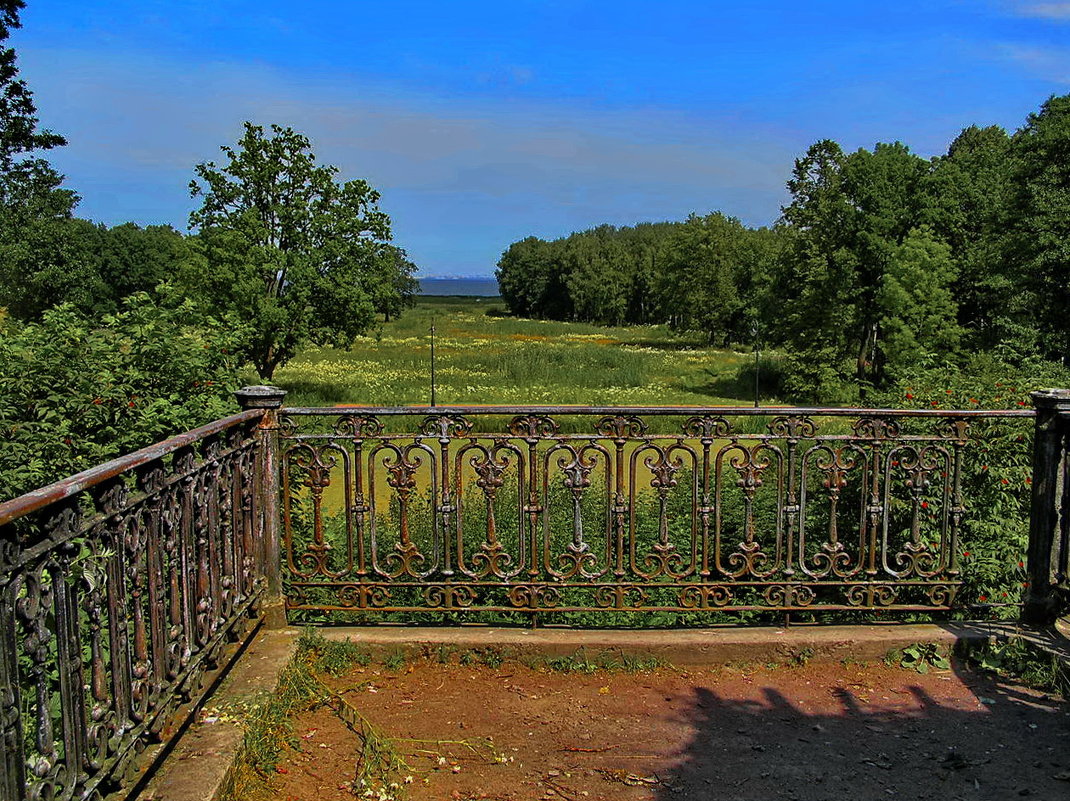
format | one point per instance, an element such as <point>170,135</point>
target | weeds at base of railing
<point>269,724</point>
<point>1018,659</point>
<point>921,657</point>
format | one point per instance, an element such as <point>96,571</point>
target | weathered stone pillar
<point>266,495</point>
<point>1045,552</point>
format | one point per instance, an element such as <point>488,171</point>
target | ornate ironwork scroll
<point>118,588</point>
<point>683,510</point>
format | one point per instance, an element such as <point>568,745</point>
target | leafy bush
<point>998,467</point>
<point>75,392</point>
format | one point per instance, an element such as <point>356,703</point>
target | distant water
<point>484,287</point>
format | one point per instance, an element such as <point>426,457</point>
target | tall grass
<point>484,357</point>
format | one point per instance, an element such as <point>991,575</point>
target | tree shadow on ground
<point>872,743</point>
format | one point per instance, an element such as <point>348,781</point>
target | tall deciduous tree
<point>1039,245</point>
<point>296,254</point>
<point>38,265</point>
<point>18,114</point>
<point>851,216</point>
<point>970,188</point>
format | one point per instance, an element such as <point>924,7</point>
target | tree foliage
<point>296,254</point>
<point>78,390</point>
<point>881,261</point>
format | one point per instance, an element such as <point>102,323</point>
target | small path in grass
<point>811,733</point>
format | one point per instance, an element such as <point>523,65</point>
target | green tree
<point>76,390</point>
<point>18,114</point>
<point>698,279</point>
<point>917,311</point>
<point>531,277</point>
<point>294,253</point>
<point>1038,246</point>
<point>850,216</point>
<point>970,189</point>
<point>43,261</point>
<point>38,265</point>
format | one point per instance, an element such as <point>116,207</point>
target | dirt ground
<point>811,733</point>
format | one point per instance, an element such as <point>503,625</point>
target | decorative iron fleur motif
<point>490,470</point>
<point>534,596</point>
<point>449,596</point>
<point>621,427</point>
<point>576,473</point>
<point>211,450</point>
<point>707,427</point>
<point>401,473</point>
<point>917,559</point>
<point>183,462</point>
<point>111,498</point>
<point>405,559</point>
<point>942,594</point>
<point>871,594</point>
<point>533,426</point>
<point>792,427</point>
<point>620,596</point>
<point>491,559</point>
<point>957,429</point>
<point>876,428</point>
<point>363,596</point>
<point>705,596</point>
<point>834,464</point>
<point>747,559</point>
<point>750,466</point>
<point>151,478</point>
<point>831,558</point>
<point>576,560</point>
<point>789,595</point>
<point>358,426</point>
<point>446,426</point>
<point>663,471</point>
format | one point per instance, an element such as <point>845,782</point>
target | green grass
<point>484,357</point>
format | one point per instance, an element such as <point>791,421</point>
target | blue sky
<point>484,122</point>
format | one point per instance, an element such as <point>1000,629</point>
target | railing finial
<point>260,397</point>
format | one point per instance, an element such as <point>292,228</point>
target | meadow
<point>483,356</point>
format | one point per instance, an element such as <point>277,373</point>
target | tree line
<point>881,261</point>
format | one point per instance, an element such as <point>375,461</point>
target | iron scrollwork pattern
<point>539,509</point>
<point>114,598</point>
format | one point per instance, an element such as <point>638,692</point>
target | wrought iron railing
<point>118,587</point>
<point>121,585</point>
<point>540,509</point>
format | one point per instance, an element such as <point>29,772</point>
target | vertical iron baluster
<point>12,743</point>
<point>69,658</point>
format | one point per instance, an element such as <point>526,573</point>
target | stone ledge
<point>681,648</point>
<point>198,767</point>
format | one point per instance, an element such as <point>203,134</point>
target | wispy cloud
<point>1049,63</point>
<point>448,167</point>
<point>1051,11</point>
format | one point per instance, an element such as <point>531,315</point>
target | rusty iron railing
<point>562,509</point>
<point>121,585</point>
<point>118,588</point>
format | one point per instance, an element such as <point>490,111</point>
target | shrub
<point>75,392</point>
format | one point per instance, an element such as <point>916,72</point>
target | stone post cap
<point>260,397</point>
<point>1057,400</point>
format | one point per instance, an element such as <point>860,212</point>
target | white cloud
<point>1049,63</point>
<point>1051,11</point>
<point>450,169</point>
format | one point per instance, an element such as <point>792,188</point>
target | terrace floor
<point>823,730</point>
<point>806,713</point>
